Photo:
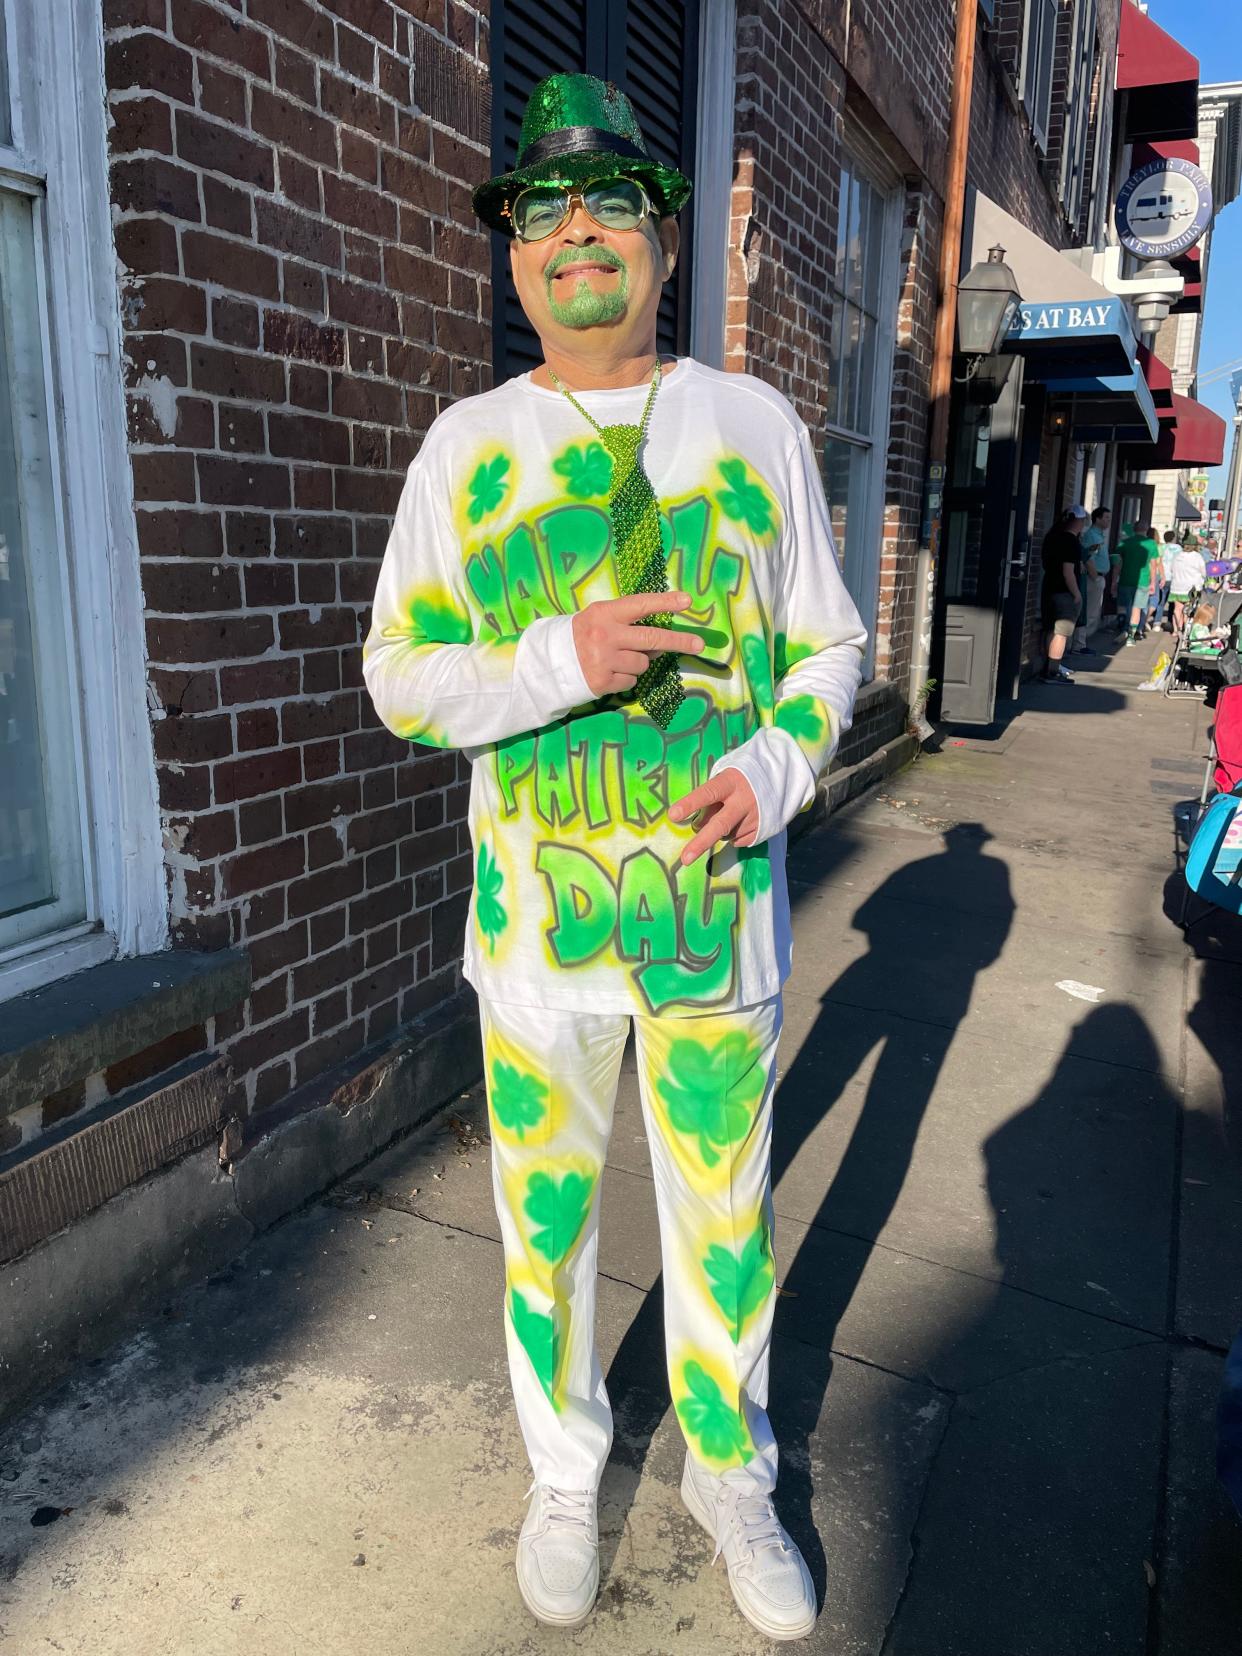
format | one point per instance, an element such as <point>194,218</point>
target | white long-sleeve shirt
<point>501,534</point>
<point>1189,570</point>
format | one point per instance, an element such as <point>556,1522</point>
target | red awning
<point>1174,149</point>
<point>1161,79</point>
<point>1198,436</point>
<point>1193,437</point>
<point>1159,381</point>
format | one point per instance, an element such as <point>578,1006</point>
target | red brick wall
<point>303,287</point>
<point>795,97</point>
<point>1005,161</point>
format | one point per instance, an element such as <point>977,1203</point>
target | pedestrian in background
<point>1189,577</point>
<point>1061,556</point>
<point>1140,568</point>
<point>1167,553</point>
<point>1096,567</point>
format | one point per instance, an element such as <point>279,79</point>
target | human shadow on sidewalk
<point>932,926</point>
<point>1048,1472</point>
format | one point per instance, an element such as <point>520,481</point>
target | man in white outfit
<point>612,582</point>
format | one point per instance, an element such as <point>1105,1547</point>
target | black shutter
<point>661,78</point>
<point>529,39</point>
<point>650,49</point>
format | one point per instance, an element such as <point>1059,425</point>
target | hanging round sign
<point>1163,208</point>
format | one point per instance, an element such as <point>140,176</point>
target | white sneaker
<point>558,1555</point>
<point>771,1584</point>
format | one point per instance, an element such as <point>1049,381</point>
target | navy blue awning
<point>1095,335</point>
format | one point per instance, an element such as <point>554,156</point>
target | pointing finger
<point>719,826</point>
<point>637,604</point>
<point>710,792</point>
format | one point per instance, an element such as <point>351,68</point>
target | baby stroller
<point>1222,782</point>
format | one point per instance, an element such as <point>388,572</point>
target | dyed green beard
<point>586,308</point>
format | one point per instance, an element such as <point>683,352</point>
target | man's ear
<point>670,245</point>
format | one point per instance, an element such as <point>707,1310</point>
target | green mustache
<point>581,255</point>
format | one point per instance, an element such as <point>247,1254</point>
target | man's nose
<point>579,228</point>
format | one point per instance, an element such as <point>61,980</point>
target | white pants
<point>706,1084</point>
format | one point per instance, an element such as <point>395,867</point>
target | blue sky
<point>1212,30</point>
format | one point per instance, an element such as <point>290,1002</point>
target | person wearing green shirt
<point>1140,567</point>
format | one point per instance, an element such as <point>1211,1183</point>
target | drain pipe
<point>942,351</point>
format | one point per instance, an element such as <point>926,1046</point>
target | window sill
<point>54,1036</point>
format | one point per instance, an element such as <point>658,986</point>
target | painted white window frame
<point>867,543</point>
<point>1038,61</point>
<point>713,185</point>
<point>58,156</point>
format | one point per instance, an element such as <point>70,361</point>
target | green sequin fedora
<point>577,128</point>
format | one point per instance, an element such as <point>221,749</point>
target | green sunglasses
<point>540,210</point>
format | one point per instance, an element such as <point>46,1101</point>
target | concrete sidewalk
<point>1010,1248</point>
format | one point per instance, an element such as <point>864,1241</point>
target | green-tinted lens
<point>540,210</point>
<point>616,203</point>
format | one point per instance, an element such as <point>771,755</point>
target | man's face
<point>1103,521</point>
<point>1075,525</point>
<point>584,277</point>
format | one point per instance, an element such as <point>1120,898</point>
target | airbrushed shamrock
<point>489,911</point>
<point>586,468</point>
<point>557,1210</point>
<point>758,669</point>
<point>706,1415</point>
<point>537,1334</point>
<point>488,487</point>
<point>786,655</point>
<point>712,1092</point>
<point>743,500</point>
<point>439,623</point>
<point>518,1100</point>
<point>740,1283</point>
<point>802,717</point>
<point>756,870</point>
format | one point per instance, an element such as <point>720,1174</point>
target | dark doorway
<point>981,537</point>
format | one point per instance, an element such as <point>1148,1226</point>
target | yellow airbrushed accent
<point>527,1105</point>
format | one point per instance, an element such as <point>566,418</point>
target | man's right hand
<point>614,651</point>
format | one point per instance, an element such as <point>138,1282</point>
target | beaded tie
<point>636,546</point>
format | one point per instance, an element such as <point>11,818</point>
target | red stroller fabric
<point>1228,735</point>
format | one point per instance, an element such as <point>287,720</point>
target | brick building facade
<point>300,287</point>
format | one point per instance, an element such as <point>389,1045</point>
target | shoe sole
<point>550,1618</point>
<point>702,1517</point>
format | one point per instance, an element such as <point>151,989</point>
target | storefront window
<point>859,372</point>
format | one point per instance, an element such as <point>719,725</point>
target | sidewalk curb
<point>841,786</point>
<point>74,1295</point>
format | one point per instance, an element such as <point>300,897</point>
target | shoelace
<point>755,1517</point>
<point>565,1508</point>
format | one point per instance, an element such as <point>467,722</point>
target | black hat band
<point>579,140</point>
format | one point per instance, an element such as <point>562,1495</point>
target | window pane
<point>847,471</point>
<point>6,119</point>
<point>864,348</point>
<point>41,874</point>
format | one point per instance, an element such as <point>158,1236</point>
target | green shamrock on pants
<point>712,1092</point>
<point>740,1283</point>
<point>706,1416</point>
<point>557,1210</point>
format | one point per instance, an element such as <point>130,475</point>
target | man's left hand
<point>729,810</point>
